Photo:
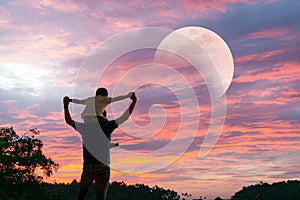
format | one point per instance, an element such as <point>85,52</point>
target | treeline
<point>286,190</point>
<point>116,191</point>
<point>21,156</point>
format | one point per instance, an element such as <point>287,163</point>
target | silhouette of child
<point>95,106</point>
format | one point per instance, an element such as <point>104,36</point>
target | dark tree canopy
<point>116,191</point>
<point>287,190</point>
<point>20,157</point>
<point>120,190</point>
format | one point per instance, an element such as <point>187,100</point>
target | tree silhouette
<point>218,198</point>
<point>20,157</point>
<point>287,190</point>
<point>120,190</point>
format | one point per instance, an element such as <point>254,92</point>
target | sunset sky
<point>43,46</point>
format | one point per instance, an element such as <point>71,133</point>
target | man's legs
<point>102,174</point>
<point>86,180</point>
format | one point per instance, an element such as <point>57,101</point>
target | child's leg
<point>101,119</point>
<point>113,145</point>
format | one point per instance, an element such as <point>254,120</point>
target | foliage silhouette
<point>218,198</point>
<point>119,190</point>
<point>20,157</point>
<point>287,190</point>
<point>116,191</point>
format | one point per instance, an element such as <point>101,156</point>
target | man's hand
<point>133,97</point>
<point>66,101</point>
<point>68,118</point>
<point>128,112</point>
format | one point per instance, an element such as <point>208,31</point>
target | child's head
<point>102,92</point>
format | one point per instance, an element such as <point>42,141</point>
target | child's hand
<point>130,94</point>
<point>133,97</point>
<point>66,100</point>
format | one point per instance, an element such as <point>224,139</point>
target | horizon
<point>44,47</point>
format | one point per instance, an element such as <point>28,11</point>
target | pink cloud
<point>4,19</point>
<point>166,13</point>
<point>282,72</point>
<point>209,5</point>
<point>8,102</point>
<point>23,113</point>
<point>273,138</point>
<point>290,95</point>
<point>31,123</point>
<point>266,96</point>
<point>120,25</point>
<point>258,56</point>
<point>55,116</point>
<point>279,32</point>
<point>67,6</point>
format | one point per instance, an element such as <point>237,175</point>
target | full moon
<point>211,43</point>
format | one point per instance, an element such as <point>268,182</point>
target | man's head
<point>102,92</point>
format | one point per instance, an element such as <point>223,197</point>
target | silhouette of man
<point>96,144</point>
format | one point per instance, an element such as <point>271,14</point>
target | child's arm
<point>119,98</point>
<point>79,101</point>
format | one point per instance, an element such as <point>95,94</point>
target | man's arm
<point>128,112</point>
<point>68,118</point>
